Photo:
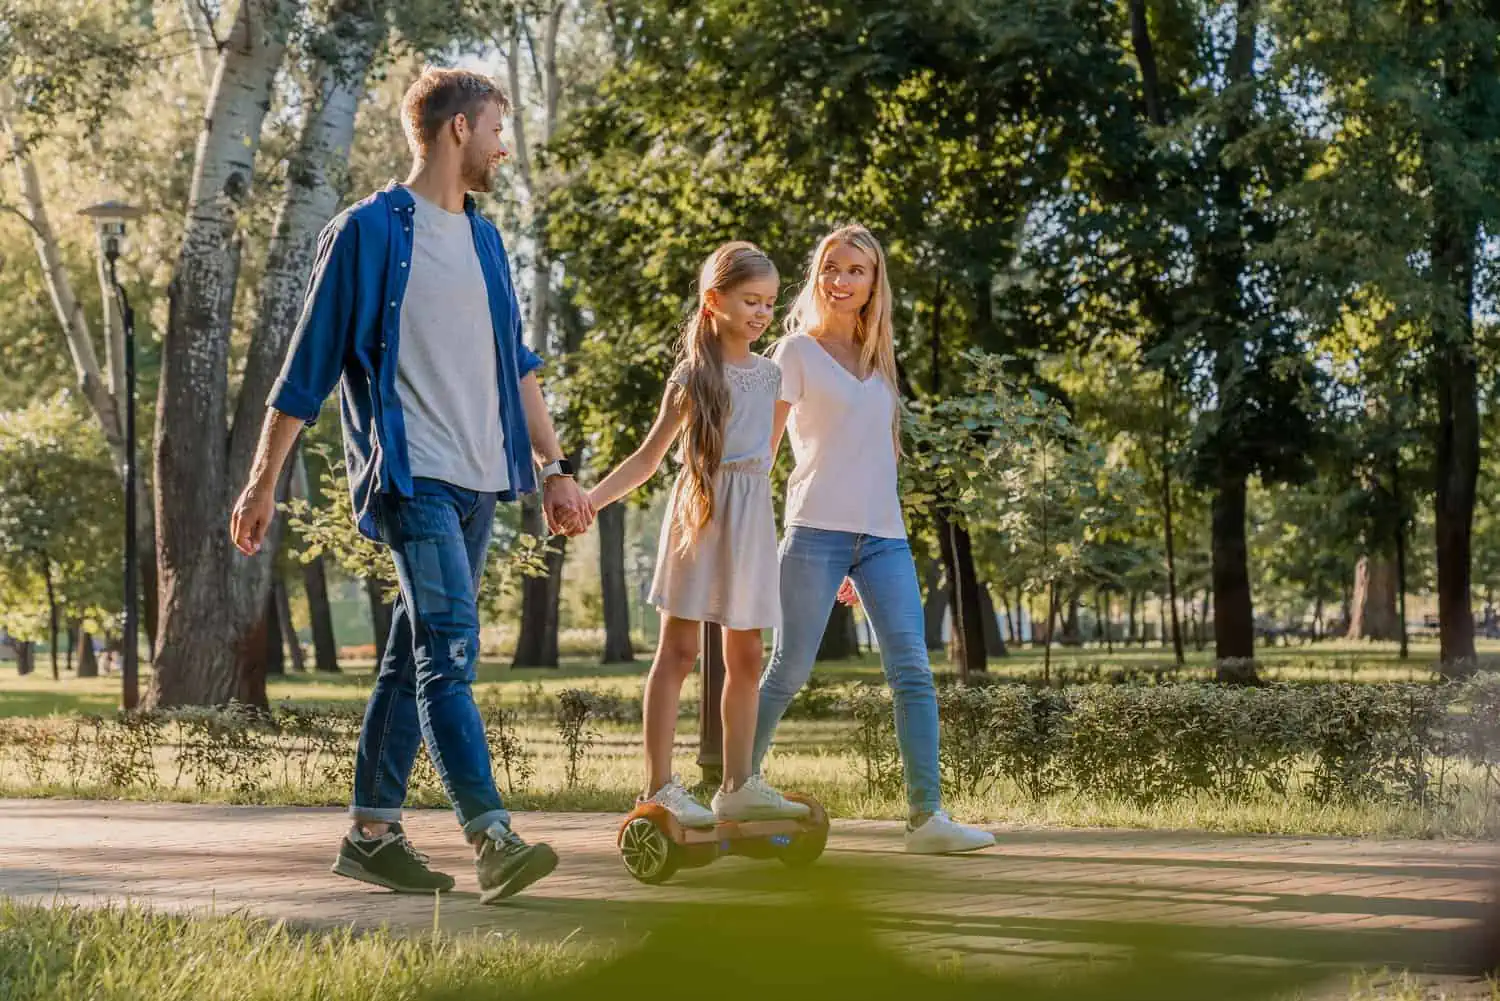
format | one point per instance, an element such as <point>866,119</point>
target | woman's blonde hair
<point>700,372</point>
<point>872,330</point>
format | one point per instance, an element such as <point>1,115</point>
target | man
<point>411,311</point>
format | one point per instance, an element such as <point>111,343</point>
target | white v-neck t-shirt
<point>840,428</point>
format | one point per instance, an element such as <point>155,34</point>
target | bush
<point>874,738</point>
<point>574,711</point>
<point>1149,744</point>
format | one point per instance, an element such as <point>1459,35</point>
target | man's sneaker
<point>681,804</point>
<point>940,834</point>
<point>755,800</point>
<point>507,865</point>
<point>389,861</point>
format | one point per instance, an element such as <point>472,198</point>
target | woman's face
<point>845,279</point>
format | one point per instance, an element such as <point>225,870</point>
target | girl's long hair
<point>700,371</point>
<point>872,331</point>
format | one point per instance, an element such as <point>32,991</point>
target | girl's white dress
<point>731,574</point>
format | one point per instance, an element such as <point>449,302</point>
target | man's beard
<point>477,174</point>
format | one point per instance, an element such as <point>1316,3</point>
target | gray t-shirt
<point>446,367</point>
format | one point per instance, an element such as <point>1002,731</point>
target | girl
<point>843,514</point>
<point>717,557</point>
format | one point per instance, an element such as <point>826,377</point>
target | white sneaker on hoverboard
<point>755,800</point>
<point>681,804</point>
<point>940,834</point>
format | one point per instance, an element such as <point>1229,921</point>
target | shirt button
<point>393,303</point>
<point>403,264</point>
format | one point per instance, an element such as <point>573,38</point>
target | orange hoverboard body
<point>653,845</point>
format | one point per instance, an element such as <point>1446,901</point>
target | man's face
<point>480,148</point>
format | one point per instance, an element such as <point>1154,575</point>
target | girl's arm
<point>644,461</point>
<point>778,426</point>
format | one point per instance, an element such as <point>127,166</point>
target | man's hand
<point>252,517</point>
<point>566,507</point>
<point>256,508</point>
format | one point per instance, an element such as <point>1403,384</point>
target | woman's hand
<point>847,594</point>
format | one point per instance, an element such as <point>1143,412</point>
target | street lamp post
<point>110,219</point>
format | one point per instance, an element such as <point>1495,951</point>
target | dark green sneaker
<point>507,865</point>
<point>389,861</point>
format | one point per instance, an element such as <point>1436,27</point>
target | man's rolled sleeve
<point>315,358</point>
<point>527,360</point>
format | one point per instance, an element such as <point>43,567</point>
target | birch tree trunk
<point>203,615</point>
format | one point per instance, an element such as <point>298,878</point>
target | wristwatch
<point>557,467</point>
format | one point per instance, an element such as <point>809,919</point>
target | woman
<point>840,404</point>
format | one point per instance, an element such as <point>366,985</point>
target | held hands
<point>566,507</point>
<point>847,595</point>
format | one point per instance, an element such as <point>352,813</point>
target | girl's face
<point>744,311</point>
<point>845,279</point>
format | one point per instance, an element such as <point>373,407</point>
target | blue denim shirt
<point>350,334</point>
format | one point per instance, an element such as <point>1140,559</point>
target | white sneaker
<point>941,835</point>
<point>755,800</point>
<point>681,804</point>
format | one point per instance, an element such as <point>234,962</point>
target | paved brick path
<point>1041,896</point>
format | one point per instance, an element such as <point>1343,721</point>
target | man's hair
<point>441,94</point>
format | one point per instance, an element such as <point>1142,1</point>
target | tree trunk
<point>1109,613</point>
<point>317,182</point>
<point>73,630</point>
<point>275,637</point>
<point>617,645</point>
<point>1204,620</point>
<point>211,597</point>
<point>963,595</point>
<point>1161,626</point>
<point>935,606</point>
<point>88,661</point>
<point>253,659</point>
<point>536,645</point>
<point>1234,617</point>
<point>288,629</point>
<point>380,616</point>
<point>1400,500</point>
<point>1457,431</point>
<point>1375,614</point>
<point>839,640</point>
<point>315,584</point>
<point>994,641</point>
<point>52,614</point>
<point>325,644</point>
<point>1072,632</point>
<point>1134,598</point>
<point>25,655</point>
<point>1047,641</point>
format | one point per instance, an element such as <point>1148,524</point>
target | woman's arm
<point>644,461</point>
<point>778,426</point>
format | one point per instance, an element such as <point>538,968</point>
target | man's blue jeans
<point>424,689</point>
<point>814,562</point>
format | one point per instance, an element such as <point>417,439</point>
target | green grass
<point>71,953</point>
<point>75,954</point>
